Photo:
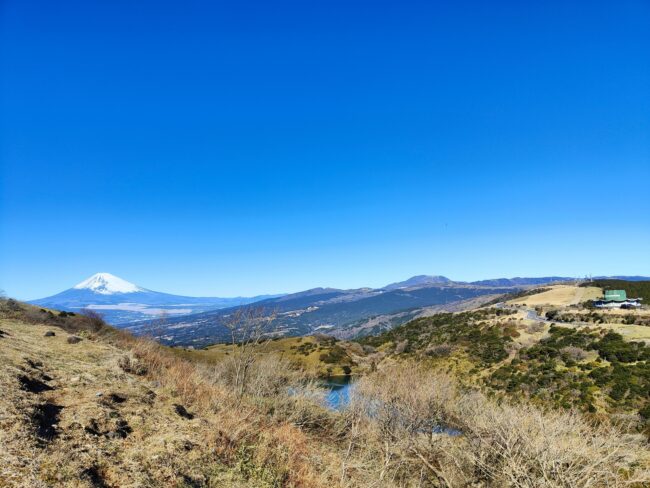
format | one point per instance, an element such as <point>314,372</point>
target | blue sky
<point>212,148</point>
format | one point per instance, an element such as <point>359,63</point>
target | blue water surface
<point>339,391</point>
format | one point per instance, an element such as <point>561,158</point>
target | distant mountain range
<point>343,313</point>
<point>424,280</point>
<point>120,301</point>
<point>329,311</point>
<point>199,321</point>
<point>522,281</point>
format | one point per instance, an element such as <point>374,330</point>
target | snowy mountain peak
<point>108,284</point>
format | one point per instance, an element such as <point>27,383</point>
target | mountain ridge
<point>124,303</point>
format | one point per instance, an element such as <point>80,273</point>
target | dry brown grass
<point>224,443</point>
<point>560,295</point>
<point>393,418</point>
<point>272,427</point>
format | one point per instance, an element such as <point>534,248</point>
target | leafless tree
<point>94,319</point>
<point>156,328</point>
<point>249,331</point>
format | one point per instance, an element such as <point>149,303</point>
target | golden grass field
<point>560,295</point>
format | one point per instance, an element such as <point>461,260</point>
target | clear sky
<point>239,148</point>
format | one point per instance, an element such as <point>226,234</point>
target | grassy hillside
<point>85,405</point>
<point>561,295</point>
<point>592,369</point>
<point>482,335</point>
<point>318,355</point>
<point>91,406</point>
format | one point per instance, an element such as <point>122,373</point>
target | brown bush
<point>439,350</point>
<point>536,328</point>
<point>269,375</point>
<point>400,347</point>
<point>524,446</point>
<point>356,348</point>
<point>130,364</point>
<point>91,321</point>
<point>392,438</point>
<point>574,353</point>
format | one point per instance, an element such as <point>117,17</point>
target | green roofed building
<point>615,295</point>
<point>617,299</point>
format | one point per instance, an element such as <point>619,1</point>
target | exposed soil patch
<point>37,371</point>
<point>182,411</point>
<point>122,430</point>
<point>111,402</point>
<point>33,364</point>
<point>45,420</point>
<point>93,428</point>
<point>94,477</point>
<point>149,397</point>
<point>191,482</point>
<point>116,398</point>
<point>33,385</point>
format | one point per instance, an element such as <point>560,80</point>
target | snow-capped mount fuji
<point>108,284</point>
<point>121,301</point>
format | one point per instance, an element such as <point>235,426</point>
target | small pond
<point>338,398</point>
<point>339,391</point>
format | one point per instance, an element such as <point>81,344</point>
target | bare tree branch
<point>250,329</point>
